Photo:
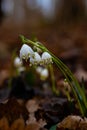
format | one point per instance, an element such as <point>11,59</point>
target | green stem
<point>67,94</point>
<point>53,80</point>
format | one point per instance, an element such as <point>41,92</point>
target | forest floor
<point>26,106</point>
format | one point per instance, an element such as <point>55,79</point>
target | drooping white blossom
<point>17,62</point>
<point>35,59</point>
<point>26,52</point>
<point>39,69</point>
<point>46,58</point>
<point>44,74</point>
<point>19,65</point>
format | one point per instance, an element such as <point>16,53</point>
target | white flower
<point>35,59</point>
<point>46,58</point>
<point>44,74</point>
<point>25,52</point>
<point>17,62</point>
<point>39,69</point>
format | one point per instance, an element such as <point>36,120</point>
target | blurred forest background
<point>59,24</point>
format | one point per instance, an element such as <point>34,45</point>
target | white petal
<point>25,52</point>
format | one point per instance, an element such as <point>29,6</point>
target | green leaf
<point>53,127</point>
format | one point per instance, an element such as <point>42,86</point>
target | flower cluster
<point>27,53</point>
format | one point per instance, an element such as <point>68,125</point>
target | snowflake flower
<point>17,62</point>
<point>46,58</point>
<point>25,52</point>
<point>44,74</point>
<point>39,69</point>
<point>35,59</point>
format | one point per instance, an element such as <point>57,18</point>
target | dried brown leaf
<point>73,123</point>
<point>42,123</point>
<point>4,124</point>
<point>18,124</point>
<point>33,126</point>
